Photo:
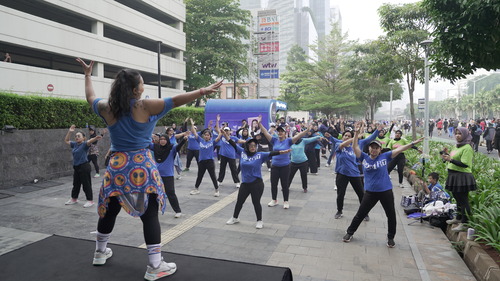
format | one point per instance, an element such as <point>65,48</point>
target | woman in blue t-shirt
<point>251,176</point>
<point>81,166</point>
<point>206,163</point>
<point>164,152</point>
<point>378,186</point>
<point>280,169</point>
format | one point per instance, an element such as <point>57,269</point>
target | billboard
<point>268,44</point>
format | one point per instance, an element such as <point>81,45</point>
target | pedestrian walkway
<point>305,237</point>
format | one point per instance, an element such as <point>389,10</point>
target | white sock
<point>154,254</point>
<point>101,241</point>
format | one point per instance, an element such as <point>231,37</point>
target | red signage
<point>269,47</point>
<point>50,87</point>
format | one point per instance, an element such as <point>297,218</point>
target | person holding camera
<point>460,179</point>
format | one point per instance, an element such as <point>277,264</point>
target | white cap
<point>227,129</point>
<point>272,125</point>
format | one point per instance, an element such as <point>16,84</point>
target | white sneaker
<point>286,205</point>
<point>88,204</point>
<point>179,177</point>
<point>97,175</point>
<point>453,221</point>
<point>71,202</point>
<point>233,221</point>
<point>401,185</point>
<point>259,225</point>
<point>238,185</point>
<point>269,170</point>
<point>177,215</point>
<point>335,188</point>
<point>194,191</point>
<point>100,258</point>
<point>272,203</point>
<point>219,183</point>
<point>216,193</point>
<point>165,269</point>
<point>327,165</point>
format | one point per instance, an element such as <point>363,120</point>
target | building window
<point>229,92</point>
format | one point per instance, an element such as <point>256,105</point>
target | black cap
<point>280,128</point>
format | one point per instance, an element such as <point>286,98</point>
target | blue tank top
<point>129,135</point>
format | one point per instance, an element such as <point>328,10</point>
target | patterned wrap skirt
<point>131,176</point>
<point>460,181</point>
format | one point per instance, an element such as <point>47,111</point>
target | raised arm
<point>263,129</point>
<point>94,139</point>
<point>301,134</point>
<point>193,95</point>
<point>193,130</point>
<point>402,148</point>
<point>217,128</point>
<point>71,130</point>
<point>357,130</point>
<point>346,143</point>
<point>89,88</point>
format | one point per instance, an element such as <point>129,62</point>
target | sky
<point>360,19</point>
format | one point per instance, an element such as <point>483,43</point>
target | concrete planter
<point>479,262</point>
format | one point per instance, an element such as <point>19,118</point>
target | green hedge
<point>35,112</point>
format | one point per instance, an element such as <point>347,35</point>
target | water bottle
<point>470,234</point>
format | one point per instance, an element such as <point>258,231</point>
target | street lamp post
<point>426,44</point>
<point>390,111</point>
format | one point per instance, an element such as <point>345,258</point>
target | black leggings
<point>206,165</point>
<point>168,182</point>
<point>190,155</point>
<point>150,222</point>
<point>93,158</point>
<point>341,182</point>
<point>232,166</point>
<point>386,198</point>
<point>81,177</point>
<point>302,167</point>
<point>463,206</point>
<point>311,159</point>
<point>255,189</point>
<point>399,161</point>
<point>280,174</point>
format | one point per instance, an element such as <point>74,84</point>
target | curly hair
<point>122,91</point>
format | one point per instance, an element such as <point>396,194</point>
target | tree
<point>371,69</point>
<point>406,26</point>
<point>294,85</point>
<point>215,34</point>
<point>466,36</point>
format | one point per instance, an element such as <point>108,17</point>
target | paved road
<point>305,237</point>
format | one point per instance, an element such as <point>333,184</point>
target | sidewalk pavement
<point>305,237</point>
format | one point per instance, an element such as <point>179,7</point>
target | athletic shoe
<point>269,170</point>
<point>186,170</point>
<point>100,257</point>
<point>165,269</point>
<point>286,205</point>
<point>367,218</point>
<point>327,165</point>
<point>401,185</point>
<point>259,225</point>
<point>272,203</point>
<point>216,193</point>
<point>347,238</point>
<point>88,204</point>
<point>338,215</point>
<point>97,175</point>
<point>219,183</point>
<point>314,174</point>
<point>71,202</point>
<point>233,221</point>
<point>179,177</point>
<point>194,191</point>
<point>390,243</point>
<point>238,185</point>
<point>459,228</point>
<point>453,221</point>
<point>335,188</point>
<point>178,215</point>
<point>305,190</point>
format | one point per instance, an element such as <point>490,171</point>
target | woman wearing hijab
<point>164,153</point>
<point>460,179</point>
<point>251,176</point>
